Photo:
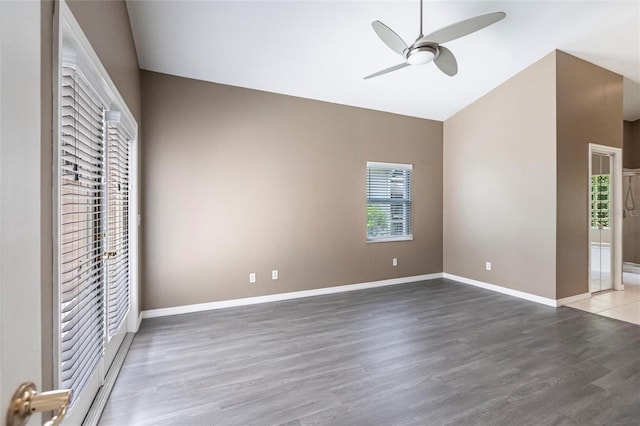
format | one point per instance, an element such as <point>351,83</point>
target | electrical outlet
<point>395,261</point>
<point>487,266</point>
<point>274,274</point>
<point>252,278</point>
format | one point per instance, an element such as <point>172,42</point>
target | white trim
<point>139,321</point>
<point>390,239</point>
<point>633,268</point>
<point>630,172</point>
<point>133,317</point>
<point>153,313</point>
<point>101,399</point>
<point>381,165</point>
<point>504,290</point>
<point>617,210</point>
<point>572,299</point>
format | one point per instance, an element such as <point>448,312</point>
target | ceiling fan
<point>428,48</point>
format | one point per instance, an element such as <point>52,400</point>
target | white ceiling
<point>323,49</point>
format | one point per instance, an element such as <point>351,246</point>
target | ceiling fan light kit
<point>429,48</point>
<point>421,55</point>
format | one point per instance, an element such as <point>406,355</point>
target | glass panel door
<point>600,229</point>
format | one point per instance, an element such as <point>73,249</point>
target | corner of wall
<point>589,110</point>
<point>499,185</point>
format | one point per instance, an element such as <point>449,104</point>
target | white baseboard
<point>153,313</point>
<point>634,268</point>
<point>139,321</point>
<point>504,290</point>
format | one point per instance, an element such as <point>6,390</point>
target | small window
<point>388,202</point>
<point>600,208</point>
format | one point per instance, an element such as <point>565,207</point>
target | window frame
<point>407,201</point>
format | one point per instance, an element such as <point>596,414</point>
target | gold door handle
<point>26,401</point>
<point>108,255</point>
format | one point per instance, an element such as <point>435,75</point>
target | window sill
<point>389,239</point>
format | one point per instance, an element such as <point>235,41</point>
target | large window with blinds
<point>81,224</point>
<point>94,271</point>
<point>388,202</point>
<point>95,219</point>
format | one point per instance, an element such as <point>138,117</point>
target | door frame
<point>23,356</point>
<point>616,211</point>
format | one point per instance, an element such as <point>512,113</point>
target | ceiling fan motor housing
<point>421,53</point>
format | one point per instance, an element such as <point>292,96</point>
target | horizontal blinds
<point>81,192</point>
<point>388,200</point>
<point>118,274</point>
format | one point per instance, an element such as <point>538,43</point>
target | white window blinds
<point>118,227</point>
<point>81,221</point>
<point>388,201</point>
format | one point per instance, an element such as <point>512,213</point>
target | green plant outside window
<point>600,199</point>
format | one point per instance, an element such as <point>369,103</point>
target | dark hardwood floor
<point>430,353</point>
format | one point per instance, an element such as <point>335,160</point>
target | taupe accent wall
<point>239,181</point>
<point>631,145</point>
<point>500,186</point>
<point>589,110</point>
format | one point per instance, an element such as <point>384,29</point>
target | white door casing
<point>614,235</point>
<point>20,202</point>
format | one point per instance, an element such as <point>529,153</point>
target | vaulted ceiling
<point>323,49</point>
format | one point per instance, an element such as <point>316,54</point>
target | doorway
<point>605,262</point>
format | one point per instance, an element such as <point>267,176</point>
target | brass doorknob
<point>26,400</point>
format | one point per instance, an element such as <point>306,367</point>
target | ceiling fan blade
<point>462,28</point>
<point>446,62</point>
<point>394,68</point>
<point>389,37</point>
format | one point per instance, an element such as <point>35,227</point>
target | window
<point>388,202</point>
<point>81,189</point>
<point>95,241</point>
<point>600,209</point>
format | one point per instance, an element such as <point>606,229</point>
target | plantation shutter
<point>118,227</point>
<point>388,201</point>
<point>81,192</point>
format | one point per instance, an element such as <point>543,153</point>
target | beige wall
<point>106,25</point>
<point>631,145</point>
<point>500,187</point>
<point>589,110</point>
<point>238,181</point>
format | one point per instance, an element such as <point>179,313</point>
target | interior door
<point>23,357</point>
<point>601,225</point>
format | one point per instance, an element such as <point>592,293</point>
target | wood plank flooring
<point>431,353</point>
